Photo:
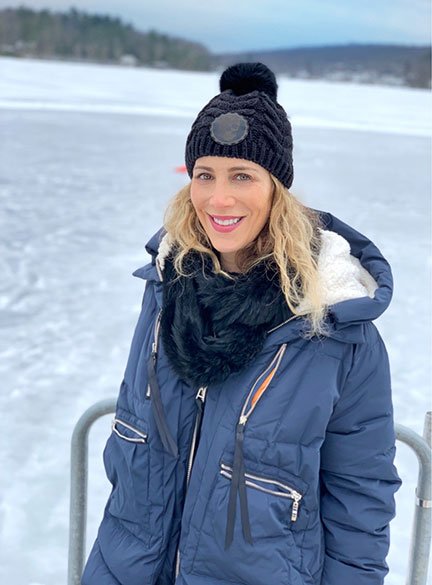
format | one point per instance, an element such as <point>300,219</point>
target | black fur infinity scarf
<point>213,326</point>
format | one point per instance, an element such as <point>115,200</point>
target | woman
<point>253,440</point>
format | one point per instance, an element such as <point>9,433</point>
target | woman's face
<point>232,198</point>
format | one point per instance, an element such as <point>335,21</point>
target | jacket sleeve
<point>96,570</point>
<point>358,478</point>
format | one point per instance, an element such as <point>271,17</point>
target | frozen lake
<point>88,157</point>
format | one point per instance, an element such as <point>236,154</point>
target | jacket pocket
<point>270,486</point>
<point>126,459</point>
<point>272,511</point>
<point>127,432</point>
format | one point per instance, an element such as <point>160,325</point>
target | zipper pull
<point>243,419</point>
<point>295,508</point>
<point>201,394</point>
<point>199,401</point>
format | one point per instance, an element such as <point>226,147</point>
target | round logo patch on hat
<point>229,128</point>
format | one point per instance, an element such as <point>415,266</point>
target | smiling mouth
<point>226,220</point>
<point>225,223</point>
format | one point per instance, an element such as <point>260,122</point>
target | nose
<point>221,196</point>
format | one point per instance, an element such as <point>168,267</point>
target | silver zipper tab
<point>201,394</point>
<point>295,509</point>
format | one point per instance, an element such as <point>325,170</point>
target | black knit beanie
<point>244,121</point>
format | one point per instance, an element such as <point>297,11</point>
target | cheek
<point>198,197</point>
<point>195,201</point>
<point>264,209</point>
<point>268,198</point>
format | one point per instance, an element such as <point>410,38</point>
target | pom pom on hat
<point>244,78</point>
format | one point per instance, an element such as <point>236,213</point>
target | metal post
<point>421,532</point>
<point>78,487</point>
<point>427,431</point>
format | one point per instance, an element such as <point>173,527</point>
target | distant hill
<point>77,35</point>
<point>390,64</point>
<point>80,36</point>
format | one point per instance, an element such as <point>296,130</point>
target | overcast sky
<point>238,25</point>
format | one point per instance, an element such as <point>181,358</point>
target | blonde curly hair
<point>290,238</point>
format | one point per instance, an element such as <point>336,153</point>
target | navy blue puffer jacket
<point>317,475</point>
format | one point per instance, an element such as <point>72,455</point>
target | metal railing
<point>78,487</point>
<point>421,531</point>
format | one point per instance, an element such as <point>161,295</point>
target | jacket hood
<point>356,279</point>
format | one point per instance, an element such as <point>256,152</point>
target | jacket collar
<point>356,280</point>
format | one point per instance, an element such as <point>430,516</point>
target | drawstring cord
<point>238,479</point>
<point>158,410</point>
<point>238,484</point>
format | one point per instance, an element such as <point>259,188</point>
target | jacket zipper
<point>273,366</point>
<point>284,322</point>
<point>244,415</point>
<point>199,400</point>
<point>289,492</point>
<point>154,346</point>
<point>153,392</point>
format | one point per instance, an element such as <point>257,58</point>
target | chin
<point>225,249</point>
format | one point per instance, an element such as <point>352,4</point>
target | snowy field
<point>86,167</point>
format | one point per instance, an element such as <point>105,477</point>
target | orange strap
<point>263,387</point>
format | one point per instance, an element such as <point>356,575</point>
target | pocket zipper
<point>289,492</point>
<point>142,437</point>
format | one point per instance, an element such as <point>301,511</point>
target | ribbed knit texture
<point>267,143</point>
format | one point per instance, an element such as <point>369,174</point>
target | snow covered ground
<point>86,167</point>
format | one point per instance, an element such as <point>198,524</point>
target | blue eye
<point>243,177</point>
<point>203,176</point>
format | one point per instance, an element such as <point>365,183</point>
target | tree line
<point>82,36</point>
<point>367,63</point>
<point>77,35</point>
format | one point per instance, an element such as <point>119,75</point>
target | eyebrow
<point>230,169</point>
